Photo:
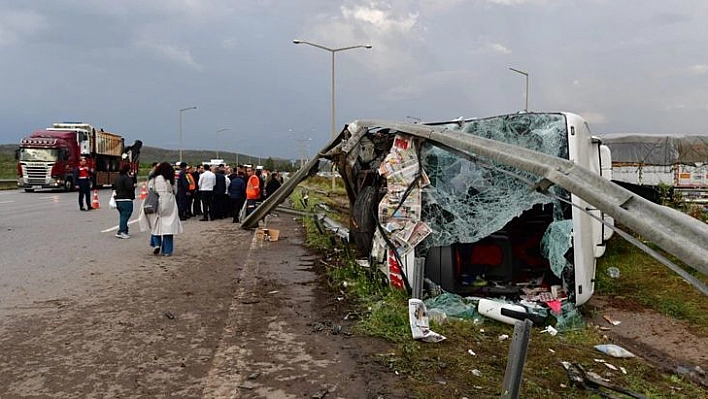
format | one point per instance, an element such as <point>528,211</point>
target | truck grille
<point>36,174</point>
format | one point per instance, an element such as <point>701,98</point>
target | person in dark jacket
<point>125,194</point>
<point>272,184</point>
<point>196,199</point>
<point>237,194</point>
<point>182,191</point>
<point>221,198</point>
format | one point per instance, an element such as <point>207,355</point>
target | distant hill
<point>148,155</point>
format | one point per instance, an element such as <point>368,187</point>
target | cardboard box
<point>267,234</point>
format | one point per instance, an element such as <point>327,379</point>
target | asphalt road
<point>85,314</point>
<point>49,248</point>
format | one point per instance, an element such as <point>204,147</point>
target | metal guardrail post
<point>517,359</point>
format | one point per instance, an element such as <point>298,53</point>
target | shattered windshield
<point>468,200</point>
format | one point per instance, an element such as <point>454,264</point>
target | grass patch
<point>472,361</point>
<point>646,282</point>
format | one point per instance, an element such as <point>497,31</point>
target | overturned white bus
<point>478,226</point>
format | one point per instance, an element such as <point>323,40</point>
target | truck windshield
<point>38,154</point>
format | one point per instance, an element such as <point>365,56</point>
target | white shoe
<point>123,235</point>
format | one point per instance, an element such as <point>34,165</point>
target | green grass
<point>646,282</point>
<point>448,370</point>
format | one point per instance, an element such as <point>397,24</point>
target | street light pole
<point>217,140</point>
<point>526,74</point>
<point>332,51</point>
<point>180,129</point>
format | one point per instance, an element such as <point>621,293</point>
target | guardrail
<point>7,184</point>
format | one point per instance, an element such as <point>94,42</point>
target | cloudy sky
<point>129,66</point>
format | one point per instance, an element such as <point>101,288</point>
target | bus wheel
<point>68,185</point>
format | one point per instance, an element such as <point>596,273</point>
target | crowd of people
<point>210,192</point>
<point>220,191</point>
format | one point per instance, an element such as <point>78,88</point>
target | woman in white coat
<point>164,224</point>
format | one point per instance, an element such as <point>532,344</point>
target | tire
<point>363,220</point>
<point>68,185</point>
<point>29,190</point>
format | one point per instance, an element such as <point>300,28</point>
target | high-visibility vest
<point>190,179</point>
<point>253,189</point>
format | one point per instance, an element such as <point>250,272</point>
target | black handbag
<point>151,202</point>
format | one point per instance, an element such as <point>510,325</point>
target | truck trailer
<point>643,163</point>
<point>47,158</point>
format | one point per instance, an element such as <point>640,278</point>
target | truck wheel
<point>29,190</point>
<point>68,185</point>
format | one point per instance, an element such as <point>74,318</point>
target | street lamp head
<point>297,41</point>
<point>519,71</point>
<point>367,46</point>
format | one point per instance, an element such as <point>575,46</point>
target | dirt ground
<point>662,340</point>
<point>246,318</point>
<point>232,316</point>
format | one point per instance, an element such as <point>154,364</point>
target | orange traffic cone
<point>143,191</point>
<point>94,203</point>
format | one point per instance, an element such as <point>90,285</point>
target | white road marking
<point>6,202</point>
<point>114,228</point>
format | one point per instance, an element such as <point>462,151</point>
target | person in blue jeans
<point>82,181</point>
<point>124,187</point>
<point>164,223</point>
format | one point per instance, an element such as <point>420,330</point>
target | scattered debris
<point>273,292</point>
<point>611,321</point>
<point>471,352</point>
<point>418,318</point>
<point>255,375</point>
<point>476,373</point>
<point>611,366</point>
<point>613,272</point>
<point>170,315</point>
<point>549,329</point>
<point>248,385</point>
<point>592,382</point>
<point>503,337</point>
<point>614,350</point>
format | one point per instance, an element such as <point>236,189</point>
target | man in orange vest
<point>192,189</point>
<point>82,181</point>
<point>253,191</point>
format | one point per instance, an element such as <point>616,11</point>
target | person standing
<point>272,185</point>
<point>182,191</point>
<point>253,191</point>
<point>192,188</point>
<point>165,223</point>
<point>221,198</point>
<point>196,200</point>
<point>206,183</point>
<point>237,194</point>
<point>82,180</point>
<point>124,187</point>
